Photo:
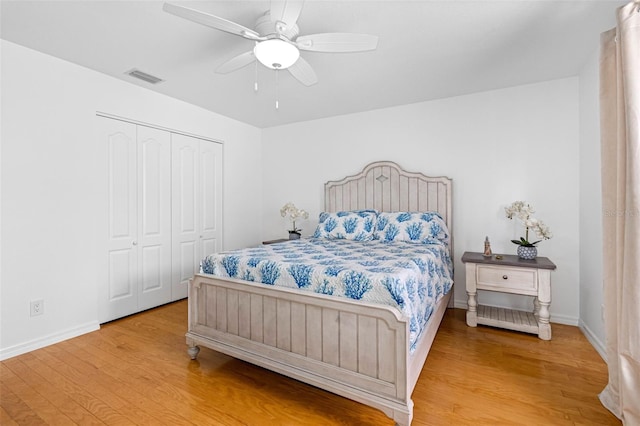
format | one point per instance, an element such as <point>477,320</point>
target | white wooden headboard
<point>386,187</point>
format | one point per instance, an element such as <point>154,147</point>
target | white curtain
<point>620,138</point>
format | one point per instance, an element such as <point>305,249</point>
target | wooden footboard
<point>356,350</point>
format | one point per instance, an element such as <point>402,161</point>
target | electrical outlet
<point>37,307</point>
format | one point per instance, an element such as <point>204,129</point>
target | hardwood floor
<point>136,371</point>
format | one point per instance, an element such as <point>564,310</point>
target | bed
<point>366,351</point>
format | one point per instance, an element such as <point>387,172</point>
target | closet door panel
<point>118,289</point>
<point>151,273</point>
<point>197,206</point>
<point>154,216</point>
<point>186,222</point>
<point>189,262</point>
<point>211,196</point>
<point>122,190</point>
<point>122,273</point>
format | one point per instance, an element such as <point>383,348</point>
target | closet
<point>163,212</point>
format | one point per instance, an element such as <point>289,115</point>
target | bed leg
<point>193,351</point>
<point>403,422</point>
<point>403,417</point>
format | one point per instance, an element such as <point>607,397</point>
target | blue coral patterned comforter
<point>411,277</point>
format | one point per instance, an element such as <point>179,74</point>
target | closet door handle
<point>504,277</point>
<point>135,243</point>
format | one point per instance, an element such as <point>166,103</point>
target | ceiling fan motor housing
<point>278,51</point>
<point>266,28</point>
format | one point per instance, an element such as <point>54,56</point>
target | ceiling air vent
<point>144,76</point>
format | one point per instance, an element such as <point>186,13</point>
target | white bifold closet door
<point>139,218</point>
<point>163,214</point>
<point>197,207</point>
<point>154,217</point>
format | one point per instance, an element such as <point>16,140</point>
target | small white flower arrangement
<point>294,214</point>
<point>523,211</point>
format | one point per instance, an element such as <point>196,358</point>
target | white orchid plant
<point>294,214</point>
<point>523,211</point>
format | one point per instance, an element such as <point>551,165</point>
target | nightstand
<point>510,274</point>
<point>279,240</point>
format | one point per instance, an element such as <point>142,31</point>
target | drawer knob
<point>504,277</point>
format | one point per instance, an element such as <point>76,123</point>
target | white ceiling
<point>427,49</point>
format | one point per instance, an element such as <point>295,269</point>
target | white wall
<point>50,195</point>
<point>590,210</point>
<point>498,146</point>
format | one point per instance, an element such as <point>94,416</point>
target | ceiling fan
<point>277,45</point>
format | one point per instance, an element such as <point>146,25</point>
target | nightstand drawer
<point>511,280</point>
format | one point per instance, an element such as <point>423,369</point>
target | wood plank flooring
<point>136,371</point>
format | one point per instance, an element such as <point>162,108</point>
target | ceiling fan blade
<point>303,72</point>
<point>237,62</point>
<point>286,11</point>
<point>211,21</point>
<point>337,42</point>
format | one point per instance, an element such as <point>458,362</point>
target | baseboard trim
<point>564,319</point>
<point>57,337</point>
<point>460,304</point>
<point>593,339</point>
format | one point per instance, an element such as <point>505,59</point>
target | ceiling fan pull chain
<point>277,105</point>
<point>255,85</point>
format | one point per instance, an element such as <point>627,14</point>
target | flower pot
<point>527,253</point>
<point>294,235</point>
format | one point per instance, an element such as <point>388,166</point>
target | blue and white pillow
<point>414,227</point>
<point>355,225</point>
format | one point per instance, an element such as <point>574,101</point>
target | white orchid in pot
<point>523,211</point>
<point>294,214</point>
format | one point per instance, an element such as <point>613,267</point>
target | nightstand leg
<point>544,328</point>
<point>536,307</point>
<point>544,300</point>
<point>472,314</point>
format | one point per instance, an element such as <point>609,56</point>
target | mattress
<point>410,277</point>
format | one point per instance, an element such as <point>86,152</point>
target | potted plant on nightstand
<point>523,211</point>
<point>294,214</point>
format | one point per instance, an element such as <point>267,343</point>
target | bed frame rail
<point>336,346</point>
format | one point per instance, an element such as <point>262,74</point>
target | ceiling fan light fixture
<point>276,53</point>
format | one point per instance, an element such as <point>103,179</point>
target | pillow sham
<point>414,227</point>
<point>354,225</point>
